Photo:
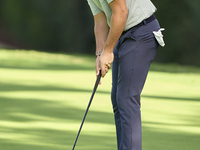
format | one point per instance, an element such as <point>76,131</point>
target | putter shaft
<point>94,90</point>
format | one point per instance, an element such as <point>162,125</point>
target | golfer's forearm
<point>118,22</point>
<point>101,31</point>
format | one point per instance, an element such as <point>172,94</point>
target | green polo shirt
<point>138,10</point>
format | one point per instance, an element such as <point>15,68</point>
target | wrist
<point>108,49</point>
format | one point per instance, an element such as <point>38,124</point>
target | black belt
<point>146,21</point>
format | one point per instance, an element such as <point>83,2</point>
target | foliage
<point>181,19</point>
<point>49,25</point>
<point>67,26</point>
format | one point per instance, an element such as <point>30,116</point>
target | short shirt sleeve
<point>109,1</point>
<point>94,8</point>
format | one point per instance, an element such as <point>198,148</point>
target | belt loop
<point>144,22</point>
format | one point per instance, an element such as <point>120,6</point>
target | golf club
<point>94,90</point>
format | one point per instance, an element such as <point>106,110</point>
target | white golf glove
<point>159,37</point>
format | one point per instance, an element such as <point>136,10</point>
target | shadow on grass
<point>162,139</point>
<point>42,124</point>
<point>171,98</point>
<point>170,68</point>
<point>55,140</point>
<point>26,110</point>
<point>9,87</point>
<point>50,67</point>
<point>174,68</point>
<point>193,124</point>
<point>33,60</point>
<point>16,87</point>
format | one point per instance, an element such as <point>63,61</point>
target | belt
<point>144,22</point>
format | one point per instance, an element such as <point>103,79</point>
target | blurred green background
<point>46,85</point>
<point>67,26</point>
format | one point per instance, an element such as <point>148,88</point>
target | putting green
<point>43,98</point>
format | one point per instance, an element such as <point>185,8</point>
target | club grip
<point>97,81</point>
<point>99,76</point>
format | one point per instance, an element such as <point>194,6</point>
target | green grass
<point>43,98</point>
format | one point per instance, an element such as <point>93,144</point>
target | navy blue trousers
<point>133,55</point>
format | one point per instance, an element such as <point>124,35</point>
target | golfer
<point>124,37</point>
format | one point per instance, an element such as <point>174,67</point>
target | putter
<point>94,90</point>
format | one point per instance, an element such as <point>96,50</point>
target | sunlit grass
<point>43,98</point>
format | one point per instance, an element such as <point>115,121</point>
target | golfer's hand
<point>105,62</point>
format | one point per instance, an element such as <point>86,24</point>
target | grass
<point>43,98</point>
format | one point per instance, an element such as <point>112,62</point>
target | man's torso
<point>138,10</point>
